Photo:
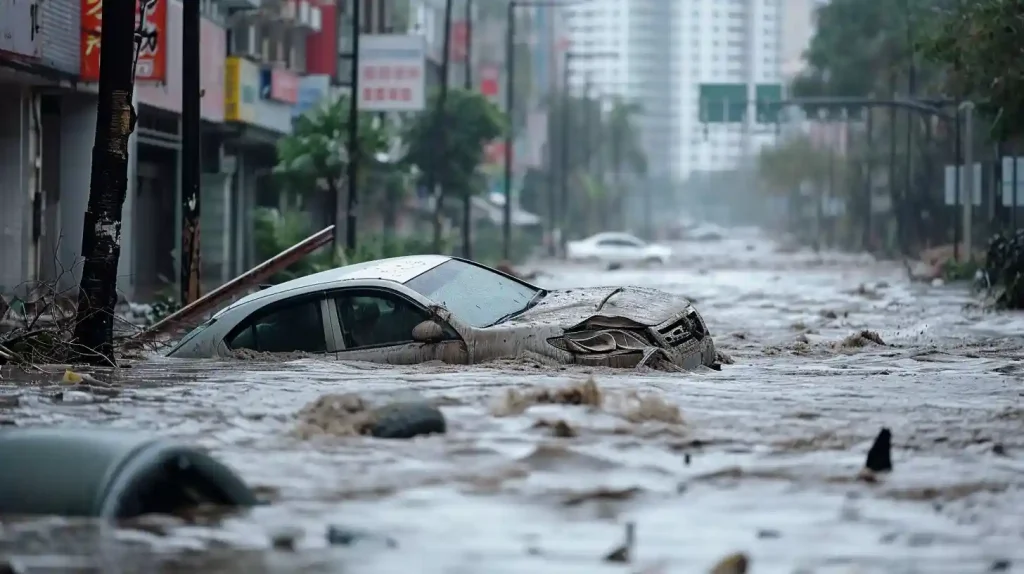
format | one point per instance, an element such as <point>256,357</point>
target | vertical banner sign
<point>151,24</point>
<point>392,73</point>
<point>489,77</point>
<point>459,41</point>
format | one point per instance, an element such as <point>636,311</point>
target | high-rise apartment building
<point>697,68</point>
<point>731,59</point>
<point>627,48</point>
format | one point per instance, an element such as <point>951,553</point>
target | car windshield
<point>476,295</point>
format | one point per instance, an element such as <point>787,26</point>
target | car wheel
<point>652,261</point>
<point>109,474</point>
<point>407,420</point>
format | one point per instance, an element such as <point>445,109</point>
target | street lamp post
<point>510,84</point>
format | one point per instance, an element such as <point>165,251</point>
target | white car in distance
<point>617,247</point>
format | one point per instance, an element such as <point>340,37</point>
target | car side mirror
<point>429,331</point>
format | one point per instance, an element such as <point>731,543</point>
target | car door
<point>376,325</point>
<point>296,324</point>
<point>609,250</point>
<point>632,249</point>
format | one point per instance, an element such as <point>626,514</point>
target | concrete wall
<point>15,208</point>
<point>78,130</point>
<point>77,134</point>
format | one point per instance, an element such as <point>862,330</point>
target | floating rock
<point>348,414</point>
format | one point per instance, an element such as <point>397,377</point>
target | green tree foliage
<point>981,44</point>
<point>315,155</point>
<point>603,140</point>
<point>624,151</point>
<point>469,122</point>
<point>791,163</point>
<point>864,48</point>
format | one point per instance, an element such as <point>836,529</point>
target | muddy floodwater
<point>761,457</point>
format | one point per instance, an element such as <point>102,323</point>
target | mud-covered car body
<point>409,310</point>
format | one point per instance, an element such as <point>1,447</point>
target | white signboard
<point>392,74</point>
<point>18,28</point>
<point>950,185</point>
<point>1009,184</point>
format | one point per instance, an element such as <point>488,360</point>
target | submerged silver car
<point>408,310</point>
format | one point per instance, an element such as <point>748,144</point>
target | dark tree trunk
<point>467,226</point>
<point>439,160</point>
<point>108,185</point>
<point>191,161</point>
<point>390,217</point>
<point>438,222</point>
<point>333,205</point>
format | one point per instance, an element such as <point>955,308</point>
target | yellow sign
<point>241,90</point>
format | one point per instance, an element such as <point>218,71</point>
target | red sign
<point>459,40</point>
<point>151,30</point>
<point>489,80</point>
<point>376,74</point>
<point>284,86</point>
<point>494,153</point>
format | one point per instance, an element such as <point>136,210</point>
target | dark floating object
<point>880,455</point>
<point>343,536</point>
<point>408,420</point>
<point>111,474</point>
<point>624,553</point>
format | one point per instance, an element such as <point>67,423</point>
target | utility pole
<point>353,136</point>
<point>469,45</point>
<point>563,156</point>
<point>510,91</point>
<point>191,154</point>
<point>869,168</point>
<point>467,204</point>
<point>439,129</point>
<point>968,108</point>
<point>108,186</point>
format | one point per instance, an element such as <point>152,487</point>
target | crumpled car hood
<point>616,306</point>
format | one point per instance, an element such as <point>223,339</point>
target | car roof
<point>397,269</point>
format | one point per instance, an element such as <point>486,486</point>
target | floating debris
<point>624,553</point>
<point>737,563</point>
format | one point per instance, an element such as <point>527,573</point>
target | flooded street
<point>762,458</point>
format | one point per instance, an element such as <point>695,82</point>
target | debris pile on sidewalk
<point>1004,270</point>
<point>945,263</point>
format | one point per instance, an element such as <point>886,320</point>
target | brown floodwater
<point>761,457</point>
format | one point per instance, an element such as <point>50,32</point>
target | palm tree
<point>625,153</point>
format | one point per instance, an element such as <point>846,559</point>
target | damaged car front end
<point>618,327</point>
<point>682,342</point>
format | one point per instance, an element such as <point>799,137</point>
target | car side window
<point>376,318</point>
<point>284,328</point>
<point>618,243</point>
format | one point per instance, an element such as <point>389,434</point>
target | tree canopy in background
<point>965,49</point>
<point>981,45</point>
<point>470,121</point>
<point>315,155</point>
